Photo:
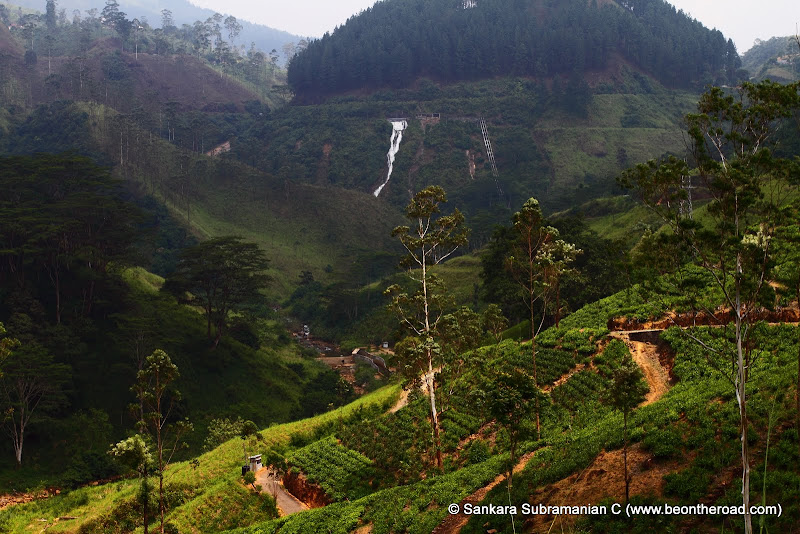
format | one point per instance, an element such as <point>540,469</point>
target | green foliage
<point>395,442</point>
<point>574,280</point>
<point>494,322</point>
<point>221,430</point>
<point>155,390</point>
<point>54,128</point>
<point>365,377</point>
<point>65,221</point>
<point>580,389</point>
<point>325,391</point>
<point>343,473</point>
<point>222,274</point>
<point>690,484</point>
<point>7,344</point>
<point>636,303</point>
<point>134,452</point>
<point>538,261</point>
<point>510,397</point>
<point>126,516</point>
<point>477,452</point>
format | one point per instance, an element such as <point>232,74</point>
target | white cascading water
<point>397,135</point>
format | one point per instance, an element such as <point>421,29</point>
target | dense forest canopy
<point>397,41</point>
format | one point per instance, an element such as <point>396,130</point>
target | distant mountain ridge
<point>183,12</point>
<point>396,42</point>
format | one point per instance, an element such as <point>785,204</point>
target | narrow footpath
<point>454,523</point>
<point>402,402</point>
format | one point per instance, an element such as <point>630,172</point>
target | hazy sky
<point>741,20</point>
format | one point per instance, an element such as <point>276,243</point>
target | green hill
<point>166,138</point>
<point>396,42</point>
<point>777,58</point>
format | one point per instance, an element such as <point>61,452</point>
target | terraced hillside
<point>684,448</point>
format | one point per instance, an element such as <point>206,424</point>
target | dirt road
<point>646,356</point>
<point>287,503</point>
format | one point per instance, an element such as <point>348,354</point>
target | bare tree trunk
<point>217,338</point>
<point>558,302</point>
<point>58,298</point>
<point>741,382</point>
<point>161,491</point>
<point>625,454</point>
<point>160,476</point>
<point>512,461</point>
<point>431,381</point>
<point>430,378</point>
<point>18,447</point>
<point>797,393</point>
<point>533,356</point>
<point>146,505</point>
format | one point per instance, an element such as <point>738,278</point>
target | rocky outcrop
<point>311,494</point>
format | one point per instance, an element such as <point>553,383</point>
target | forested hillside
<point>777,58</point>
<point>395,42</point>
<point>110,123</point>
<point>86,314</point>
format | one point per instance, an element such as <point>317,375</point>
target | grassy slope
<point>644,125</point>
<point>303,237</point>
<point>220,502</point>
<point>459,275</point>
<point>300,226</point>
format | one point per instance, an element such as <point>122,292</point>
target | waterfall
<point>394,147</point>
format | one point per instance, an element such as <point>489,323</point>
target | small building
<point>385,344</point>
<point>255,463</point>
